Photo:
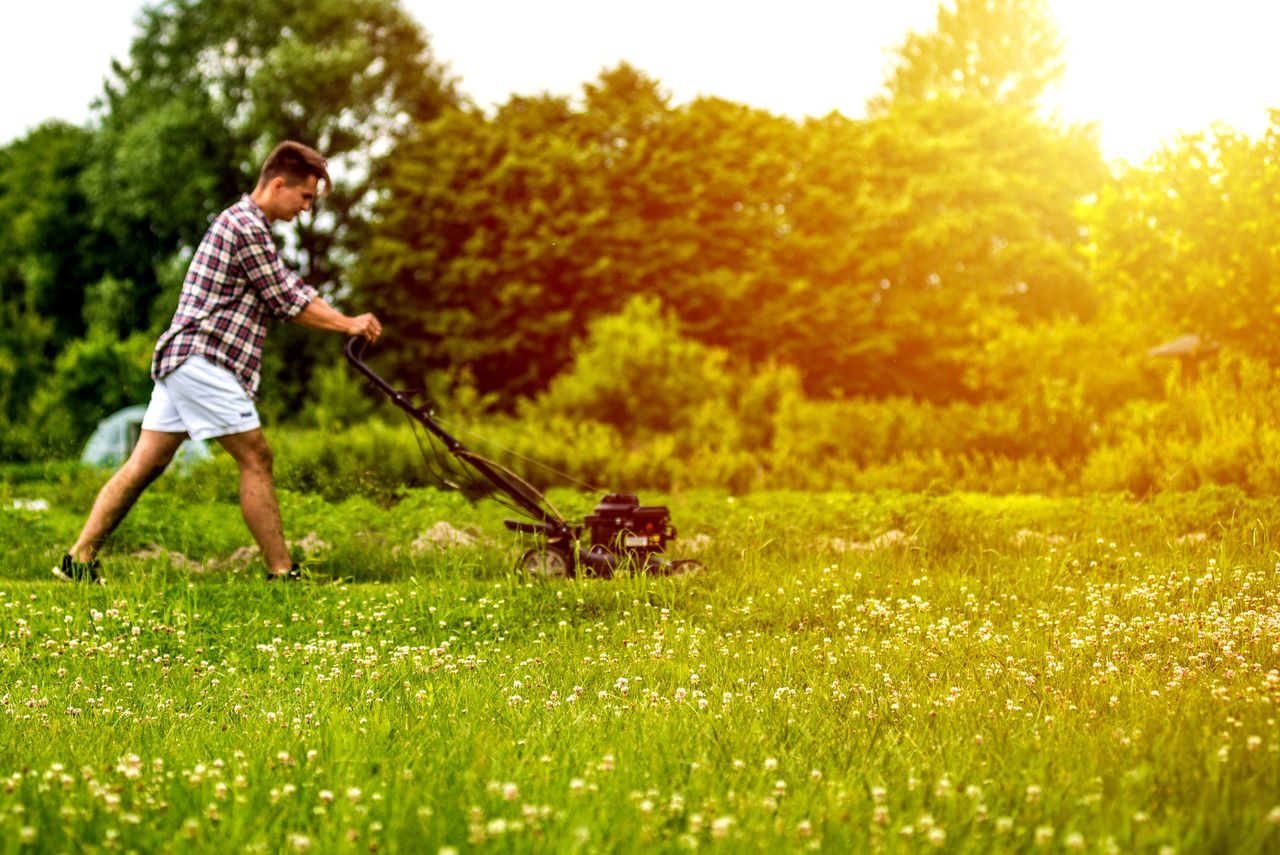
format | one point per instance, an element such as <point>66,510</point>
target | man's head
<point>289,180</point>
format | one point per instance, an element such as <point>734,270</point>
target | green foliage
<point>338,399</point>
<point>1186,240</point>
<point>211,86</point>
<point>637,372</point>
<point>873,256</point>
<point>91,379</point>
<point>501,239</point>
<point>50,248</point>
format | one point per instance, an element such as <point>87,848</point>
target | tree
<point>49,249</point>
<point>500,239</point>
<point>212,85</point>
<point>996,51</point>
<point>1187,241</point>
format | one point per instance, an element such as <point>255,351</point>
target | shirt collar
<point>251,207</point>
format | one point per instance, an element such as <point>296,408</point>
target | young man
<point>206,365</point>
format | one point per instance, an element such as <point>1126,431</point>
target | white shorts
<point>202,400</point>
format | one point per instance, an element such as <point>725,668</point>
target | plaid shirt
<point>235,282</point>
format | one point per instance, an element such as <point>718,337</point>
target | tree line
<point>958,245</point>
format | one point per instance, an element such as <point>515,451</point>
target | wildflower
<point>770,763</point>
<point>937,836</point>
<point>510,792</point>
<point>720,826</point>
<point>1004,825</point>
<point>326,796</point>
<point>1075,840</point>
<point>804,828</point>
<point>1044,835</point>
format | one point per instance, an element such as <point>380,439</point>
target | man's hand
<point>365,325</point>
<point>321,316</point>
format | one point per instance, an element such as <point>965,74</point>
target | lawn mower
<point>624,534</point>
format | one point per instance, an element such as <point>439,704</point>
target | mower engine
<point>623,526</point>
<point>623,533</point>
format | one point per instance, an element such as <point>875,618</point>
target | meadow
<point>885,672</point>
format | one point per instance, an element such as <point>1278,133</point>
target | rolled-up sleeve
<point>281,289</point>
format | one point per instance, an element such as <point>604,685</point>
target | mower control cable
<point>528,498</point>
<point>538,463</point>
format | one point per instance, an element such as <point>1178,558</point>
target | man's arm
<point>321,316</point>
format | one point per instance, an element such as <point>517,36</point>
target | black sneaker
<point>293,574</point>
<point>71,570</point>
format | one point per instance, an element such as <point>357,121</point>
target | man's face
<point>290,199</point>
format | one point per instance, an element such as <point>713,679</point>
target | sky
<point>1145,70</point>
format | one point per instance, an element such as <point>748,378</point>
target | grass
<point>889,672</point>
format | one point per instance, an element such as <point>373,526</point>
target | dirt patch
<point>442,535</point>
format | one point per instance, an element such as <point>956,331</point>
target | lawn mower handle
<point>354,350</point>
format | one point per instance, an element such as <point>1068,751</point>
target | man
<point>206,365</point>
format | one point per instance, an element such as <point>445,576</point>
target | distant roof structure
<point>1185,346</point>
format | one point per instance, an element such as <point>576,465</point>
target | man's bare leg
<point>258,496</point>
<point>149,458</point>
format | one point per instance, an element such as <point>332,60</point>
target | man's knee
<point>265,459</point>
<point>250,451</point>
<point>258,458</point>
<point>143,468</point>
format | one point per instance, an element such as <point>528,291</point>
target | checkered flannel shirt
<point>236,281</point>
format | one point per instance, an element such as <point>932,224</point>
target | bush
<point>92,378</point>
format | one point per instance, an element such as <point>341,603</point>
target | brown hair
<point>294,162</point>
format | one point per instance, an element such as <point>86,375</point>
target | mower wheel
<point>544,563</point>
<point>685,567</point>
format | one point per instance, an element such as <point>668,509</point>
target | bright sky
<point>1146,69</point>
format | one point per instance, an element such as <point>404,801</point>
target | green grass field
<point>851,673</point>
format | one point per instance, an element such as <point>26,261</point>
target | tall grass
<point>853,671</point>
